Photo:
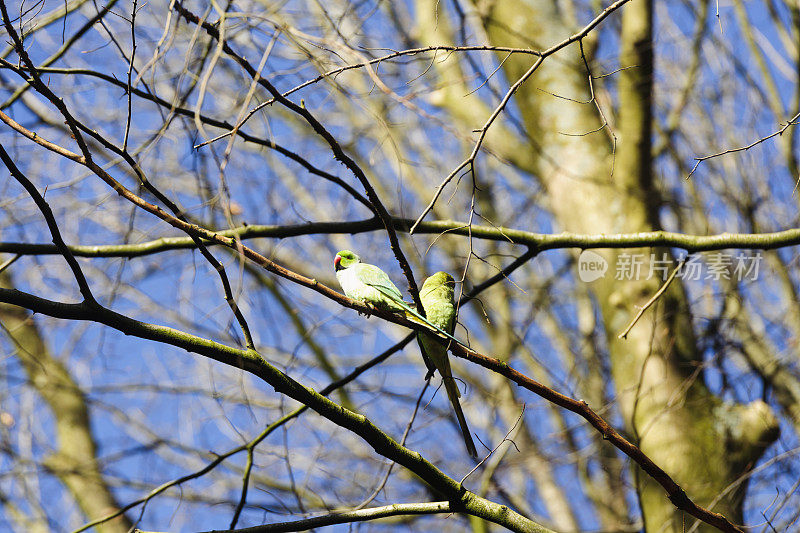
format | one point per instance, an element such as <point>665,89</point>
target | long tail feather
<point>453,394</point>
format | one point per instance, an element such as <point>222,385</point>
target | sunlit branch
<point>539,241</point>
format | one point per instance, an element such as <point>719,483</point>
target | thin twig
<point>651,301</point>
<point>791,122</point>
<point>504,439</point>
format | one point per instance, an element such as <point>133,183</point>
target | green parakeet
<point>367,283</point>
<point>437,299</point>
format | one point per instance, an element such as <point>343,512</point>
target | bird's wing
<point>377,278</point>
<point>414,316</point>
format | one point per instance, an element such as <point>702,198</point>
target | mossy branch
<point>538,241</point>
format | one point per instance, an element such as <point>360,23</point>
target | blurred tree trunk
<point>74,456</point>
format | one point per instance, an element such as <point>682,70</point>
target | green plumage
<point>366,283</point>
<point>437,299</point>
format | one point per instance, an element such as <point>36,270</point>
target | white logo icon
<point>591,266</point>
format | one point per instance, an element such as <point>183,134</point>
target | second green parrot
<point>437,299</point>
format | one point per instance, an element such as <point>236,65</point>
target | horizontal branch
<point>537,241</point>
<point>361,515</point>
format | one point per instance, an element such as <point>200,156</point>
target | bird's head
<point>440,279</point>
<point>345,259</point>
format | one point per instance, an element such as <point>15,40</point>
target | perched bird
<point>437,300</point>
<point>367,283</point>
